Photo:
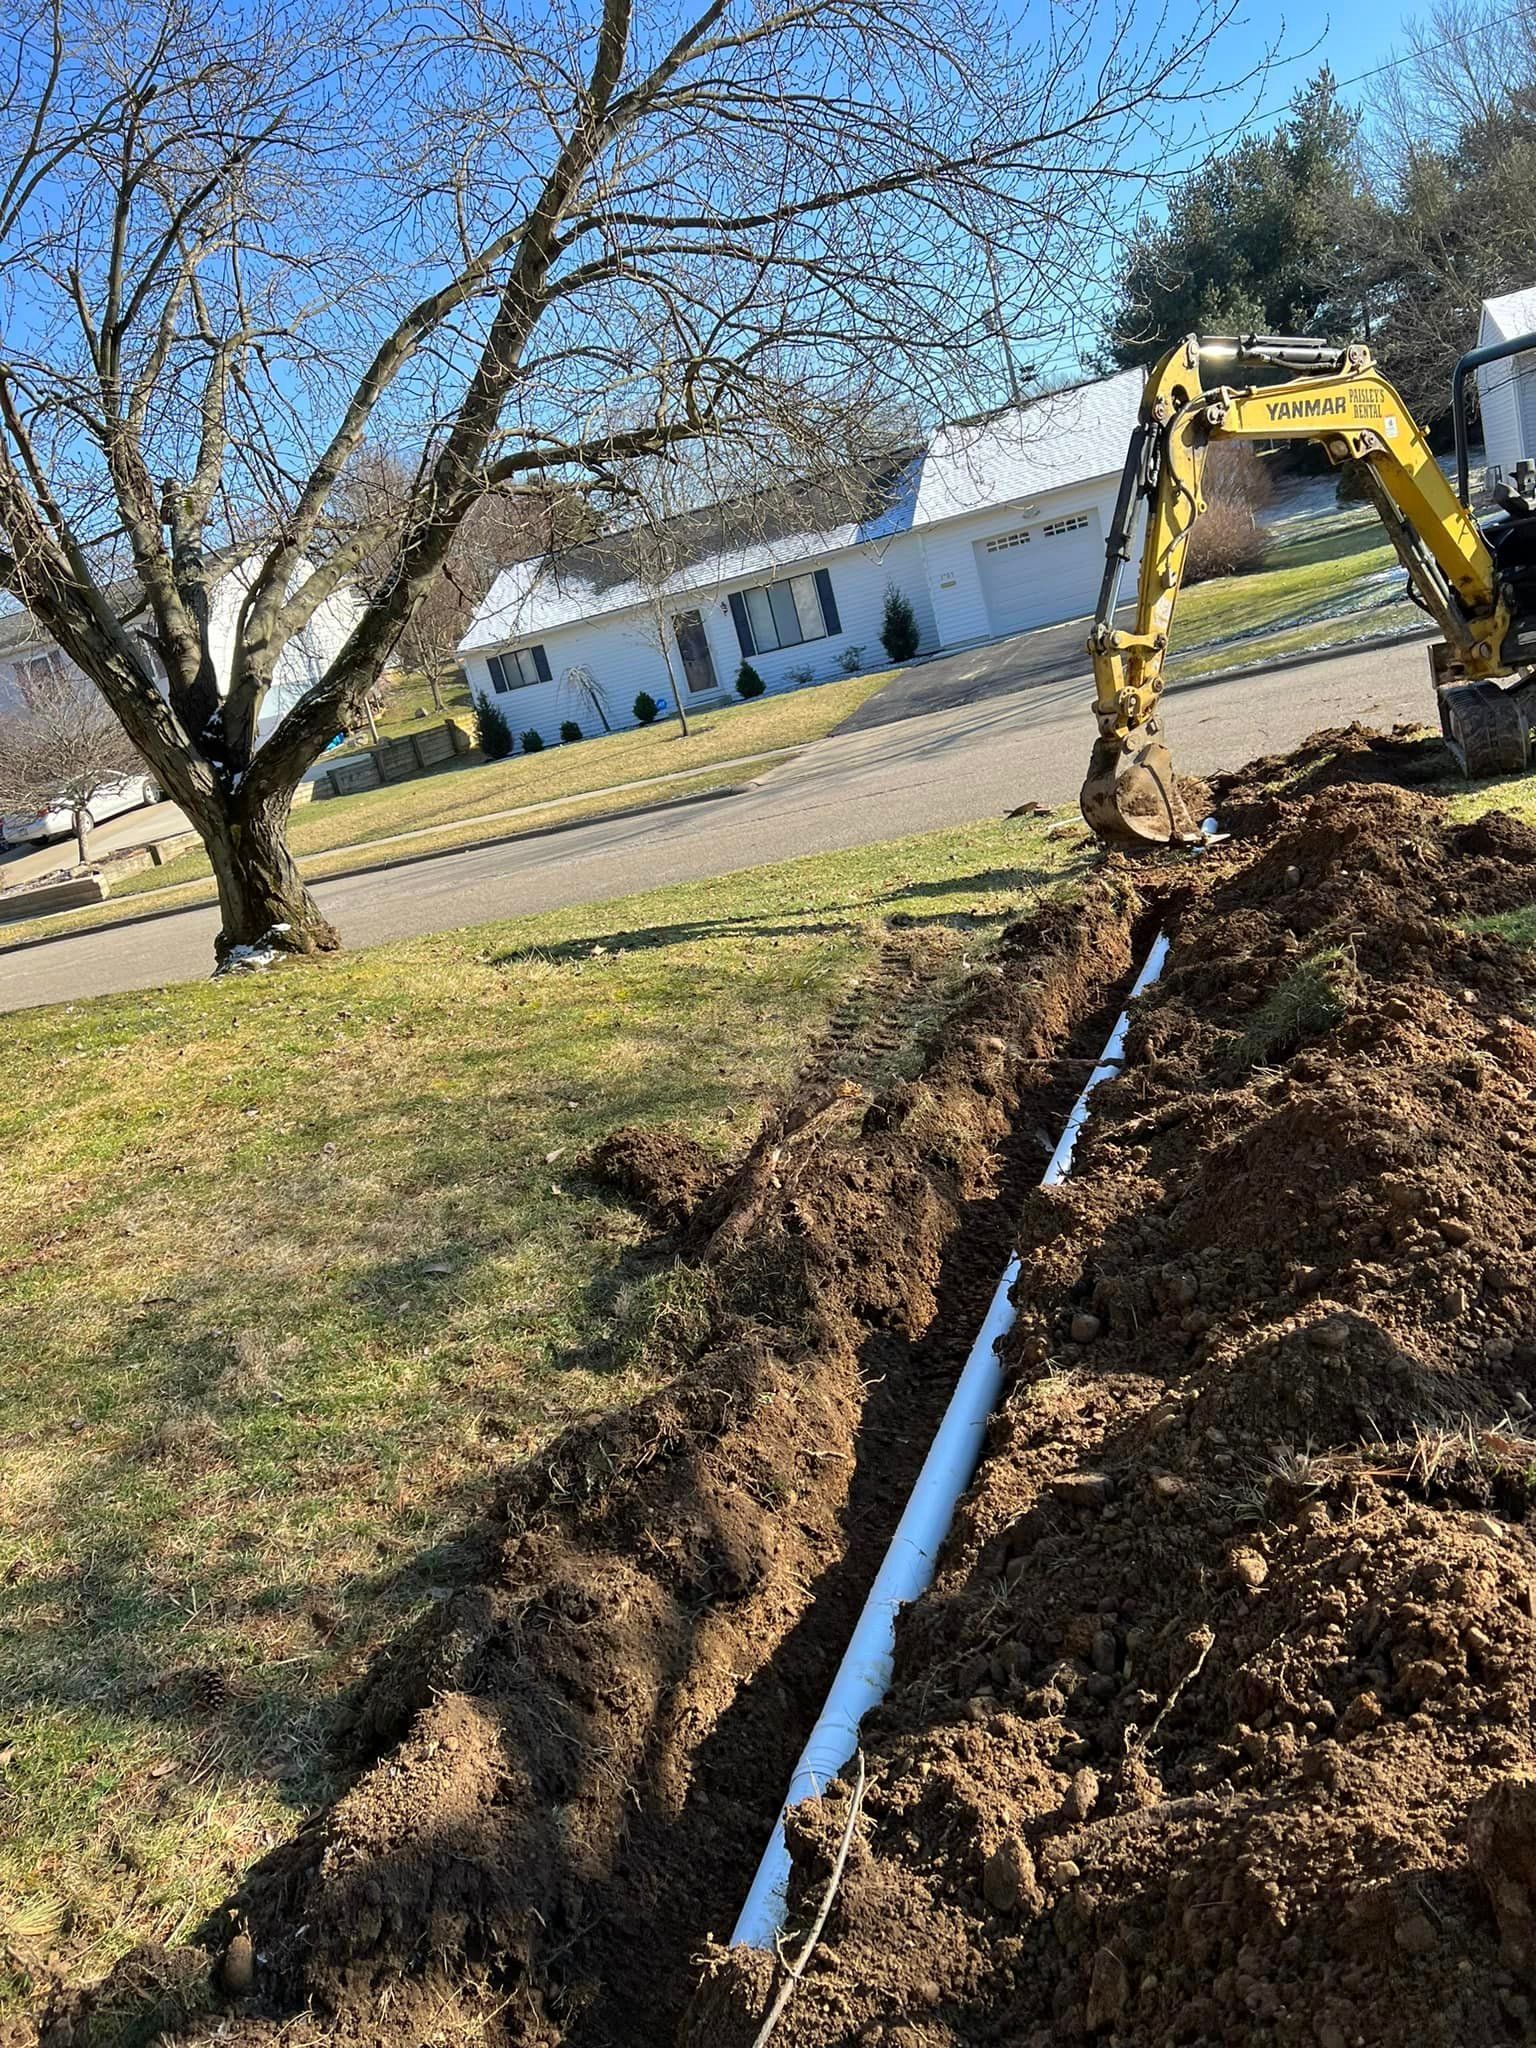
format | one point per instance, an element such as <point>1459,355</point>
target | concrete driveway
<point>970,761</point>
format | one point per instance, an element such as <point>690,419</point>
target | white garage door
<point>1033,575</point>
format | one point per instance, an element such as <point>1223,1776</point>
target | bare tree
<point>738,506</point>
<point>1451,159</point>
<point>657,546</point>
<point>58,751</point>
<point>496,530</point>
<point>529,243</point>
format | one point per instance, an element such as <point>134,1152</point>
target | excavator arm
<point>1333,395</point>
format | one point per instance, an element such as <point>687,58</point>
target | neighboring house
<point>26,654</point>
<point>27,649</point>
<point>997,525</point>
<point>1507,390</point>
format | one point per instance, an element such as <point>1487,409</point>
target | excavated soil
<point>1216,1725</point>
<point>564,1775</point>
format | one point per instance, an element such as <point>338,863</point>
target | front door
<point>698,662</point>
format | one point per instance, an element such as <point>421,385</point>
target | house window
<point>520,669</point>
<point>1001,541</point>
<point>1075,522</point>
<point>32,674</point>
<point>785,614</point>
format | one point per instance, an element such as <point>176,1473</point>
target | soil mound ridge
<point>1216,1727</point>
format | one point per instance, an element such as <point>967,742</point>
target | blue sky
<point>1352,38</point>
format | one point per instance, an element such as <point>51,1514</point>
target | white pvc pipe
<point>1110,1062</point>
<point>908,1565</point>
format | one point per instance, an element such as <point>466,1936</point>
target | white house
<point>1507,389</point>
<point>996,525</point>
<point>28,650</point>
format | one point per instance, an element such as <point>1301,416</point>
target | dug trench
<point>1216,1724</point>
<point>563,1776</point>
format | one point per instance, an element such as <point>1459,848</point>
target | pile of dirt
<point>665,1174</point>
<point>564,1774</point>
<point>1216,1726</point>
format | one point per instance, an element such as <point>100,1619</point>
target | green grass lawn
<point>1513,793</point>
<point>1517,795</point>
<point>291,1267</point>
<point>1313,591</point>
<point>408,705</point>
<point>453,798</point>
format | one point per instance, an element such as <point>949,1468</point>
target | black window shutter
<point>829,616</point>
<point>498,674</point>
<point>743,624</point>
<point>541,663</point>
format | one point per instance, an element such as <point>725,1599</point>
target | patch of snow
<point>253,959</point>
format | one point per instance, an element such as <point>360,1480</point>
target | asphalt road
<point>972,760</point>
<point>946,682</point>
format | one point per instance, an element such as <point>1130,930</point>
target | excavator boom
<point>1480,591</point>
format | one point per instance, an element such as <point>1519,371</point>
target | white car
<point>107,800</point>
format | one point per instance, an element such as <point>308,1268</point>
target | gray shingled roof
<point>1060,438</point>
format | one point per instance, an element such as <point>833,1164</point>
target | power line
<point>1482,28</point>
<point>1430,49</point>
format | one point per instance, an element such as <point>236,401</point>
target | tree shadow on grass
<point>1027,882</point>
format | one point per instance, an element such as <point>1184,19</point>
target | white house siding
<point>307,655</point>
<point>860,579</point>
<point>300,665</point>
<point>955,576</point>
<point>1525,393</point>
<point>621,652</point>
<point>1507,390</point>
<point>1497,392</point>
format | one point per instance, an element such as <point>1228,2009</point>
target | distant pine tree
<point>898,629</point>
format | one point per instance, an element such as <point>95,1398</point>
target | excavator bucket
<point>1131,796</point>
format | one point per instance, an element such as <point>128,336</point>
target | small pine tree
<point>898,628</point>
<point>492,730</point>
<point>533,741</point>
<point>646,709</point>
<point>569,732</point>
<point>748,682</point>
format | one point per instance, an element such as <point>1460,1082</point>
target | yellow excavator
<point>1476,578</point>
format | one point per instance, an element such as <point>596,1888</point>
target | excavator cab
<point>1476,578</point>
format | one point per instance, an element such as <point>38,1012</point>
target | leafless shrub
<point>58,750</point>
<point>1227,538</point>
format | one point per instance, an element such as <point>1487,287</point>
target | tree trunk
<point>437,692</point>
<point>262,897</point>
<point>672,676</point>
<point>82,834</point>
